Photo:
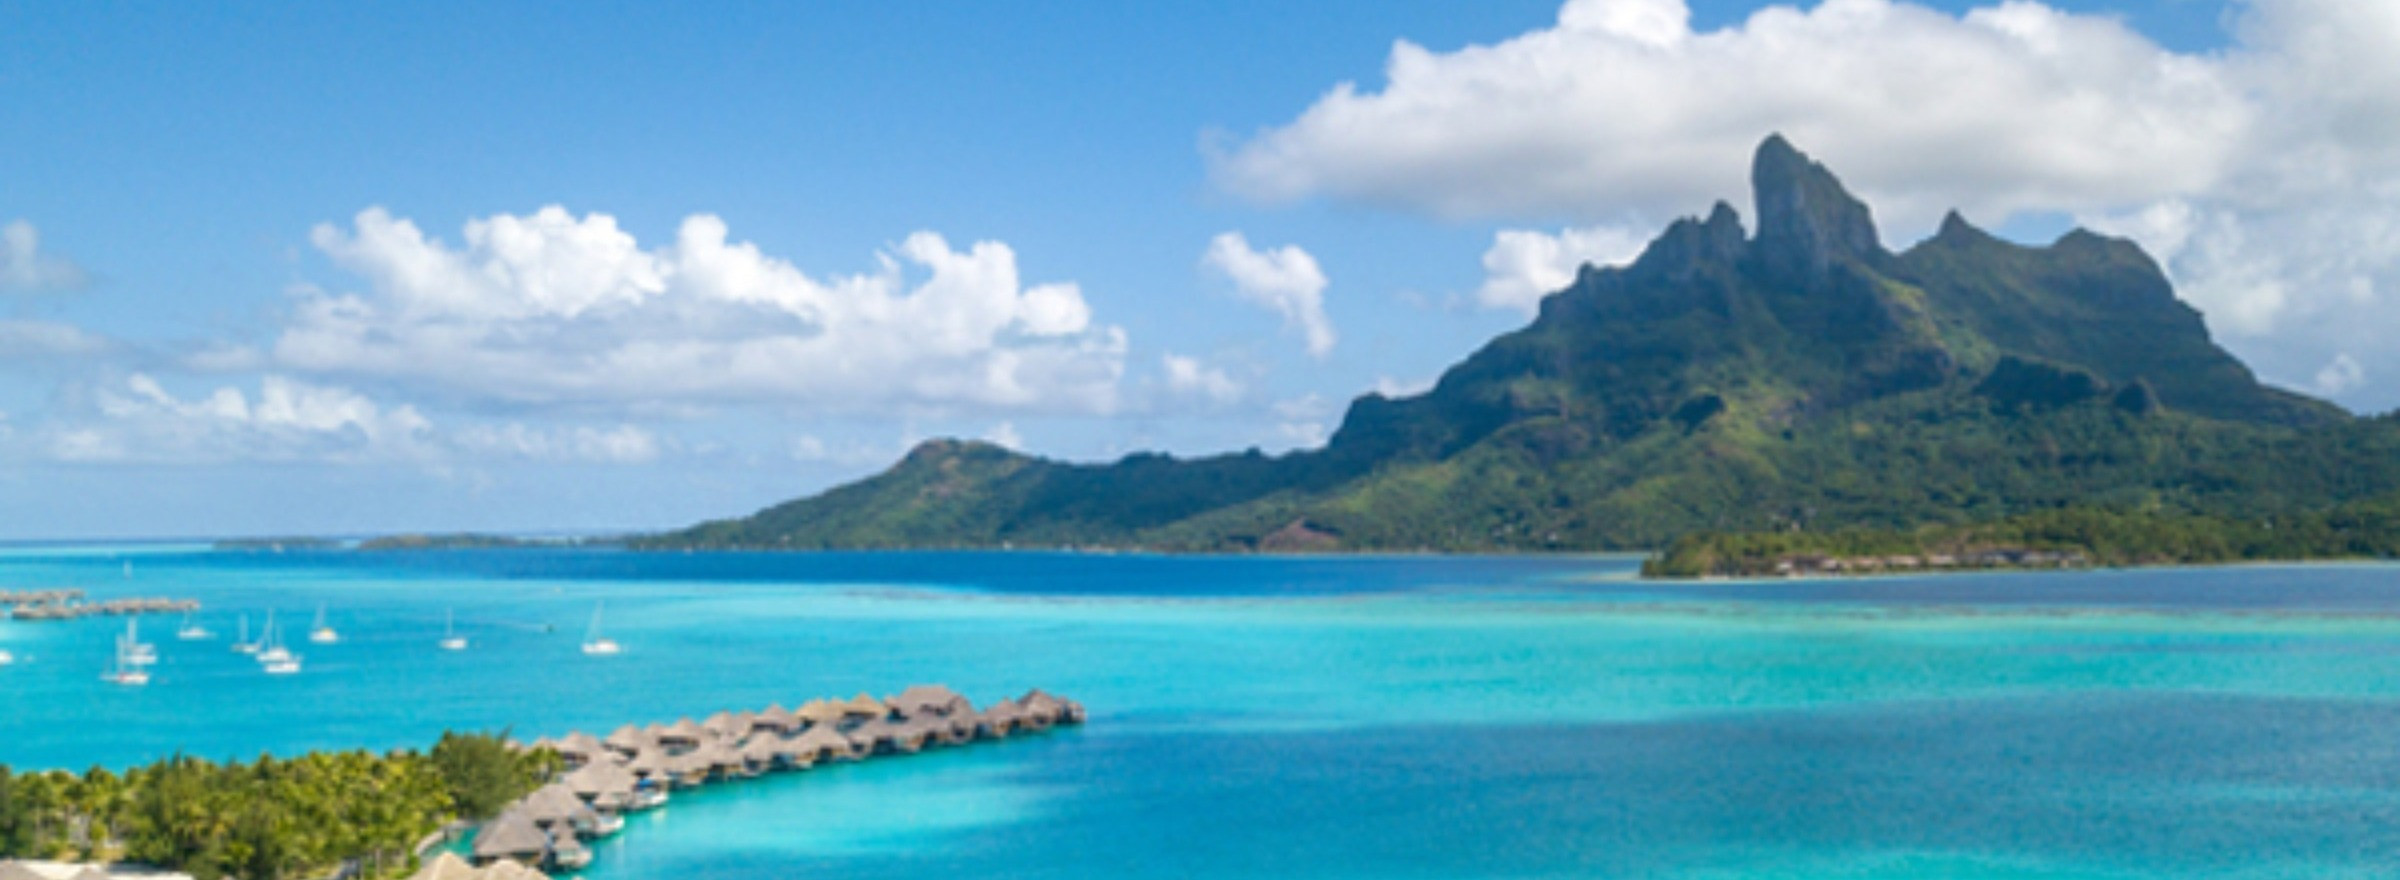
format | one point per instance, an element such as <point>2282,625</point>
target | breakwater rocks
<point>637,768</point>
<point>70,605</point>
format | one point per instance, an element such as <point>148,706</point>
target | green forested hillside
<point>1798,379</point>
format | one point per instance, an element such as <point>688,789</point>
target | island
<point>1789,395</point>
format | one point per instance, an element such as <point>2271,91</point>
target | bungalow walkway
<point>637,768</point>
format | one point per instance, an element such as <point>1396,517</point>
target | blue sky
<point>289,269</point>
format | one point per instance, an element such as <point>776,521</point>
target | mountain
<point>1802,377</point>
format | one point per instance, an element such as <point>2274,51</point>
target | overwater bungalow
<point>651,765</point>
<point>566,852</point>
<point>556,806</point>
<point>579,748</point>
<point>776,719</point>
<point>605,784</point>
<point>514,837</point>
<point>723,726</point>
<point>628,740</point>
<point>685,733</point>
<point>871,737</point>
<point>820,744</point>
<point>929,699</point>
<point>958,729</point>
<point>860,710</point>
<point>760,754</point>
<point>1001,718</point>
<point>788,753</point>
<point>687,770</point>
<point>724,760</point>
<point>820,713</point>
<point>1044,710</point>
<point>448,866</point>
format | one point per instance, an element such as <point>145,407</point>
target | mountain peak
<point>1807,222</point>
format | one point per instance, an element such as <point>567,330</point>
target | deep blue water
<point>1395,717</point>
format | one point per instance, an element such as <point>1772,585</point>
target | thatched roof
<point>719,755</point>
<point>922,699</point>
<point>512,835</point>
<point>762,749</point>
<point>865,737</point>
<point>1000,717</point>
<point>911,735</point>
<point>821,741</point>
<point>691,763</point>
<point>600,778</point>
<point>1043,706</point>
<point>554,804</point>
<point>684,730</point>
<point>864,706</point>
<point>791,750</point>
<point>446,866</point>
<point>649,763</point>
<point>721,724</point>
<point>579,744</point>
<point>777,718</point>
<point>563,843</point>
<point>628,739</point>
<point>942,728</point>
<point>820,711</point>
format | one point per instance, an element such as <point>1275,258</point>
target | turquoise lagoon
<point>1331,718</point>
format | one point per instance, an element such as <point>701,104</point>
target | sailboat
<point>320,633</point>
<point>275,658</point>
<point>270,649</point>
<point>595,644</point>
<point>192,631</point>
<point>244,645</point>
<point>451,640</point>
<point>127,672</point>
<point>138,652</point>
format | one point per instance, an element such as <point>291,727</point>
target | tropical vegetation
<point>311,815</point>
<point>2368,529</point>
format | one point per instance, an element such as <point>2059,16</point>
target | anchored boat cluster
<point>635,768</point>
<point>69,605</point>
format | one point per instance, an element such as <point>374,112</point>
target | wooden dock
<point>638,768</point>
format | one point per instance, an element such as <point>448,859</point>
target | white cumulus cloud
<point>620,444</point>
<point>25,267</point>
<point>45,340</point>
<point>1187,375</point>
<point>551,308</point>
<point>1285,279</point>
<point>1525,265</point>
<point>139,420</point>
<point>2265,175</point>
<point>1620,108</point>
<point>2339,375</point>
